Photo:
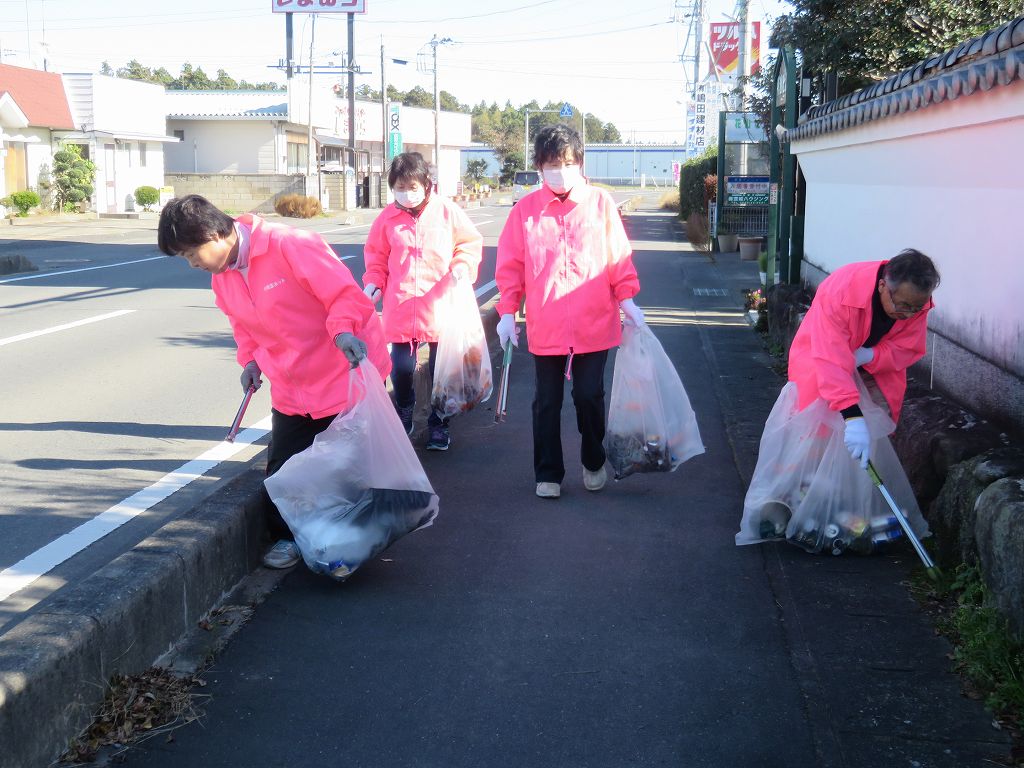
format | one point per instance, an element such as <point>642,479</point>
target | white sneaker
<point>549,490</point>
<point>594,481</point>
<point>284,554</point>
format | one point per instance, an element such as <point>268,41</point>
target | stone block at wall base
<point>934,433</point>
<point>952,516</point>
<point>1000,534</point>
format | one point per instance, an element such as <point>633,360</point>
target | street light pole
<point>434,42</point>
<point>309,107</point>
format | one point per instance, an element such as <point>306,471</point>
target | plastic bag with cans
<point>651,426</point>
<point>358,488</point>
<point>462,373</point>
<point>807,489</point>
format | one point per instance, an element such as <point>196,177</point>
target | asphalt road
<point>118,370</point>
<point>622,628</point>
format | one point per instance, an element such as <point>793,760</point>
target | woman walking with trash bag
<point>564,248</point>
<point>297,315</point>
<point>419,249</point>
<point>867,317</point>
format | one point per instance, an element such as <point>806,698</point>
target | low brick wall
<point>237,193</point>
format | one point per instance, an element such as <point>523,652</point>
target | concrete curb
<point>55,665</point>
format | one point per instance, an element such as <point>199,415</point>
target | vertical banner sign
<point>725,48</point>
<point>394,129</point>
<point>318,6</point>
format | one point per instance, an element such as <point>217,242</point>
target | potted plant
<point>749,248</point>
<point>726,239</point>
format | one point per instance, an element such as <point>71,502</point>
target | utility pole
<point>383,114</point>
<point>309,107</point>
<point>351,86</point>
<point>743,62</point>
<point>434,43</point>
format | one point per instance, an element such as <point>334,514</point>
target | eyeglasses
<point>901,306</point>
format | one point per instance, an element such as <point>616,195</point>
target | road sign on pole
<point>566,111</point>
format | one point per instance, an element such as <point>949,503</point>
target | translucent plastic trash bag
<point>358,488</point>
<point>807,488</point>
<point>651,426</point>
<point>462,371</point>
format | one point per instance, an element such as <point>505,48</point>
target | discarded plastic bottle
<point>881,540</point>
<point>884,523</point>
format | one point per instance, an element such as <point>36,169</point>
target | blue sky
<point>617,60</point>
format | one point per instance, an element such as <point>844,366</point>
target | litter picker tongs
<point>930,568</point>
<point>501,407</point>
<point>233,432</point>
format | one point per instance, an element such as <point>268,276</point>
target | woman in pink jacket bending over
<point>418,248</point>
<point>297,315</point>
<point>564,248</point>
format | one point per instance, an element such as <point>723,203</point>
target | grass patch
<point>987,654</point>
<point>670,201</point>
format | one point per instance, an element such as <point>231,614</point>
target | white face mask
<point>561,180</point>
<point>409,199</point>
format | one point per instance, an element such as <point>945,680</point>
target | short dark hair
<point>190,221</point>
<point>912,266</point>
<point>410,166</point>
<point>553,141</point>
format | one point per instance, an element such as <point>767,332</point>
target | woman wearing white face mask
<point>418,248</point>
<point>564,251</point>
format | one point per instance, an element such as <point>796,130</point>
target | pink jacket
<point>298,297</point>
<point>574,263</point>
<point>821,359</point>
<point>409,259</point>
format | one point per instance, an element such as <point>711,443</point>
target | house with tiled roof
<point>32,105</point>
<point>931,158</point>
<point>119,125</point>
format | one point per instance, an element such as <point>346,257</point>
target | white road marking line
<point>346,228</point>
<point>485,288</point>
<point>45,331</point>
<point>56,273</point>
<point>44,560</point>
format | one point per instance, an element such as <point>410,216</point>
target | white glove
<point>353,347</point>
<point>459,273</point>
<point>633,314</point>
<point>858,441</point>
<point>507,330</point>
<point>251,376</point>
<point>863,355</point>
<point>372,292</point>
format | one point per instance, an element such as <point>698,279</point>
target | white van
<point>524,183</point>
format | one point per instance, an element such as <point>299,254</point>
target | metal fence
<point>746,220</point>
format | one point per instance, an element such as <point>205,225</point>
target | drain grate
<point>710,292</point>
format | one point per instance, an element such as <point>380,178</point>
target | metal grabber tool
<point>233,432</point>
<point>501,407</point>
<point>930,568</point>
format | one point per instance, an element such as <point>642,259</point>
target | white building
<point>266,132</point>
<point>931,159</point>
<point>122,123</point>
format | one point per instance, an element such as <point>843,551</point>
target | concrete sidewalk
<point>611,629</point>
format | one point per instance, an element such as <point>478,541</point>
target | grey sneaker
<point>439,438</point>
<point>549,490</point>
<point>594,481</point>
<point>284,554</point>
<point>405,416</point>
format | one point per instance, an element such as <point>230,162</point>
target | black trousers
<point>288,435</point>
<point>588,397</point>
<point>403,375</point>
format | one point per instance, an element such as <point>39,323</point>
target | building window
<point>142,154</point>
<point>179,135</point>
<point>297,158</point>
<point>128,152</point>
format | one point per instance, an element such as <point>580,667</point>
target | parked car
<point>524,183</point>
